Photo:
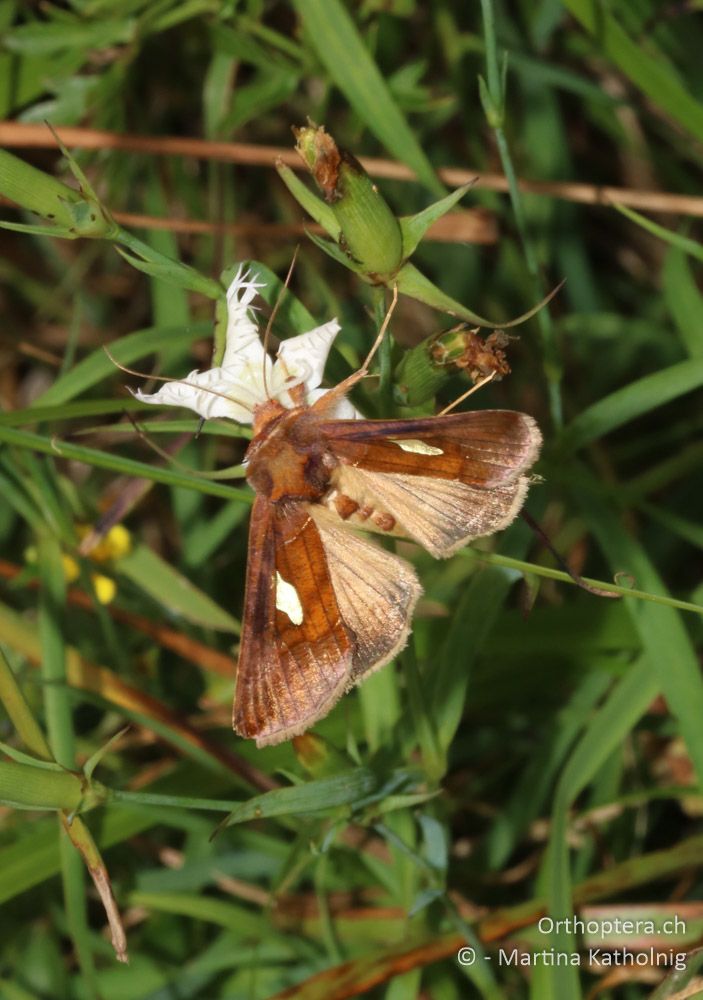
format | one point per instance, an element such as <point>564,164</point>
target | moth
<point>324,607</point>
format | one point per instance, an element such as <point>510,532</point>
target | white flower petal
<point>242,341</point>
<point>210,394</point>
<point>247,377</point>
<point>306,354</point>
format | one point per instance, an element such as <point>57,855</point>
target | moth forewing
<point>295,657</point>
<point>457,478</point>
<point>483,448</point>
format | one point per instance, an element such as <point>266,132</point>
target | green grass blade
<point>531,794</point>
<point>683,243</point>
<point>313,796</point>
<point>234,918</point>
<point>606,731</point>
<point>343,53</point>
<point>59,721</point>
<point>119,464</point>
<point>173,590</point>
<point>634,400</point>
<point>671,656</point>
<point>476,615</point>
<point>127,350</point>
<point>68,411</point>
<point>644,65</point>
<point>684,300</point>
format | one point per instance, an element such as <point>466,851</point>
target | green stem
<point>19,712</point>
<point>385,384</point>
<point>552,363</point>
<point>492,70</point>
<point>172,801</point>
<point>495,559</point>
<point>52,602</point>
<point>434,761</point>
<point>53,666</point>
<point>329,935</point>
<point>74,894</point>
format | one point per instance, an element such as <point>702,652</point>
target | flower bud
<point>424,368</point>
<point>365,235</point>
<point>370,233</point>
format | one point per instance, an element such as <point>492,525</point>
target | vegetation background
<point>537,749</point>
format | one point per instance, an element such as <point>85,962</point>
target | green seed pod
<point>370,233</point>
<point>418,377</point>
<point>422,369</point>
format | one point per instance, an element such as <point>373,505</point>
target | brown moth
<point>323,606</point>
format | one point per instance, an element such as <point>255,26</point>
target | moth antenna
<point>183,381</point>
<point>132,371</point>
<point>143,436</point>
<point>578,580</point>
<point>342,388</point>
<point>469,392</point>
<point>272,317</point>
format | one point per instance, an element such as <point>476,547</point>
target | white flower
<point>247,376</point>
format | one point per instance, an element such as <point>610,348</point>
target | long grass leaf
<point>634,400</point>
<point>119,464</point>
<point>670,654</point>
<point>607,730</point>
<point>313,796</point>
<point>644,65</point>
<point>127,350</point>
<point>342,51</point>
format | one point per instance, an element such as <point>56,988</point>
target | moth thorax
<point>288,459</point>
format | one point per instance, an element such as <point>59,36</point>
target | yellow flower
<point>71,569</point>
<point>116,543</point>
<point>105,588</point>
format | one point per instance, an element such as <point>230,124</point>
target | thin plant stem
<point>385,386</point>
<point>496,559</point>
<point>118,463</point>
<point>20,713</point>
<point>495,113</point>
